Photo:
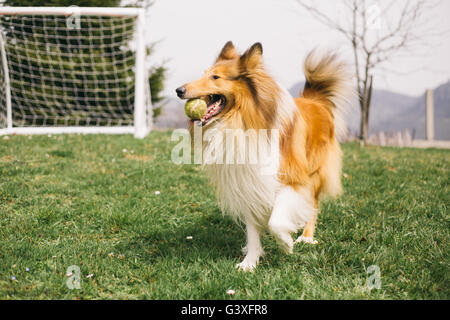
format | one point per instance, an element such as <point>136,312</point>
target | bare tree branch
<point>372,48</point>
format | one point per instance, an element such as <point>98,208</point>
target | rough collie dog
<point>243,97</point>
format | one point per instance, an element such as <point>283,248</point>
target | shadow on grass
<point>202,241</point>
<point>210,243</point>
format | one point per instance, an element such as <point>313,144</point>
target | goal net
<point>69,70</point>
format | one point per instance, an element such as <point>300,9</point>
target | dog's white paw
<point>246,266</point>
<point>309,240</point>
<point>286,244</point>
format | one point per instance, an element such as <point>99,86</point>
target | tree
<point>376,35</point>
<point>157,73</point>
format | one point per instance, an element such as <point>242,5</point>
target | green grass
<point>74,200</point>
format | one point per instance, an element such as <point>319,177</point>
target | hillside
<point>414,116</point>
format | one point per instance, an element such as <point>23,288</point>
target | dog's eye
<point>215,77</point>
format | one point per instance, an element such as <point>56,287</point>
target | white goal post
<point>73,70</point>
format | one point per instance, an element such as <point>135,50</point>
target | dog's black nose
<point>181,91</point>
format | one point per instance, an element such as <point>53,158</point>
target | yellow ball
<point>195,108</point>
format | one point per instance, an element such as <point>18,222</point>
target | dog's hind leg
<point>327,181</point>
<point>253,249</point>
<point>293,208</point>
<point>308,231</point>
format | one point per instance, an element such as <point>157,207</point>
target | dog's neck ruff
<point>244,189</point>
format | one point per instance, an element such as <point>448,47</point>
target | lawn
<point>122,212</point>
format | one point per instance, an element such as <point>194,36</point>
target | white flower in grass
<point>230,292</point>
<point>157,193</point>
<point>189,238</point>
<point>124,150</point>
<point>90,275</point>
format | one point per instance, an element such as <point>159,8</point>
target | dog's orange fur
<point>304,148</point>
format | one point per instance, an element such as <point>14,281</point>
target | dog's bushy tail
<point>329,78</point>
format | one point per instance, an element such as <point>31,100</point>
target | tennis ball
<point>195,108</point>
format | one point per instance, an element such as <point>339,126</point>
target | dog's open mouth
<point>216,103</point>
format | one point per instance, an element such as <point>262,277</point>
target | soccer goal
<point>73,70</point>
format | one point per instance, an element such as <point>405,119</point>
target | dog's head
<point>229,83</point>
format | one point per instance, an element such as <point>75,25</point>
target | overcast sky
<point>191,33</point>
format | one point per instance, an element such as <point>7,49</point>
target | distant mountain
<point>297,88</point>
<point>396,112</point>
<point>442,112</point>
<point>414,117</point>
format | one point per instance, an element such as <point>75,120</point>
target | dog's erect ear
<point>252,58</point>
<point>228,52</point>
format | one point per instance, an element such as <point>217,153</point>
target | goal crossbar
<point>142,106</point>
<point>67,11</point>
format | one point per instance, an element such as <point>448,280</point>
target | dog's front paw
<point>309,240</point>
<point>246,266</point>
<point>287,245</point>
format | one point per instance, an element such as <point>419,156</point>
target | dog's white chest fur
<point>245,189</point>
